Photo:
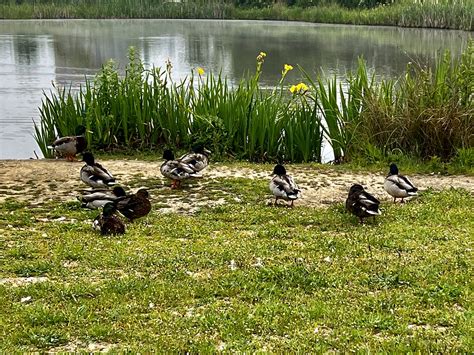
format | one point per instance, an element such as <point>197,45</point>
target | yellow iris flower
<point>300,88</point>
<point>200,71</point>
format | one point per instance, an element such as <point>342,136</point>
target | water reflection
<point>35,53</point>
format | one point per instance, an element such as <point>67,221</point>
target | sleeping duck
<point>107,222</point>
<point>94,174</point>
<point>398,186</point>
<point>71,145</point>
<point>176,170</point>
<point>97,199</point>
<point>197,159</point>
<point>135,205</point>
<point>361,203</point>
<point>283,186</point>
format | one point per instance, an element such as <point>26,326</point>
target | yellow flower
<point>261,57</point>
<point>303,87</point>
<point>200,71</point>
<point>300,88</point>
<point>288,67</point>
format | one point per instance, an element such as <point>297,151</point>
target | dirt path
<point>38,181</point>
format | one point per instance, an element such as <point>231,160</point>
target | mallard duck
<point>94,174</point>
<point>361,203</point>
<point>398,186</point>
<point>97,199</point>
<point>135,205</point>
<point>283,186</point>
<point>176,170</point>
<point>71,145</point>
<point>108,223</point>
<point>197,159</point>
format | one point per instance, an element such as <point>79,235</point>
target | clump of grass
<point>427,112</point>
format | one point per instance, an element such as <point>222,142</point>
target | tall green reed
<point>147,109</point>
<point>426,112</point>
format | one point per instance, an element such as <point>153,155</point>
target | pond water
<point>34,55</point>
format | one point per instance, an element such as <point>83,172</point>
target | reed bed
<point>449,14</point>
<point>428,112</point>
<point>147,110</point>
<point>425,113</point>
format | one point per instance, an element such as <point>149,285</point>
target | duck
<point>94,174</point>
<point>176,170</point>
<point>71,145</point>
<point>283,186</point>
<point>107,222</point>
<point>398,186</point>
<point>134,206</point>
<point>197,159</point>
<point>98,199</point>
<point>361,203</point>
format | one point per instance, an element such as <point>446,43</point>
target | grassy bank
<point>425,114</point>
<point>240,277</point>
<point>432,14</point>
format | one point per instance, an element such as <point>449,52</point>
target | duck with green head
<point>397,185</point>
<point>107,222</point>
<point>94,174</point>
<point>71,145</point>
<point>176,170</point>
<point>283,186</point>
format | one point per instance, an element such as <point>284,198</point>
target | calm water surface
<point>36,54</point>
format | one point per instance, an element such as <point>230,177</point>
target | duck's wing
<point>401,182</point>
<point>126,203</point>
<point>196,161</point>
<point>96,174</point>
<point>100,195</point>
<point>63,140</point>
<point>292,183</point>
<point>95,204</point>
<point>176,170</point>
<point>284,186</point>
<point>367,203</point>
<point>103,172</point>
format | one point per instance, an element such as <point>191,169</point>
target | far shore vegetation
<point>446,14</point>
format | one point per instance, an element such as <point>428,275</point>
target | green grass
<point>242,277</point>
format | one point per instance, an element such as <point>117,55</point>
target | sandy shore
<point>38,181</point>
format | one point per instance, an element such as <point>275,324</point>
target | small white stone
<point>327,259</point>
<point>151,305</point>
<point>25,299</point>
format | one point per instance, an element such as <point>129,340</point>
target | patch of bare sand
<point>78,346</point>
<point>22,281</point>
<point>39,181</point>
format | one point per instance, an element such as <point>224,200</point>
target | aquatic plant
<point>147,109</point>
<point>426,112</point>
